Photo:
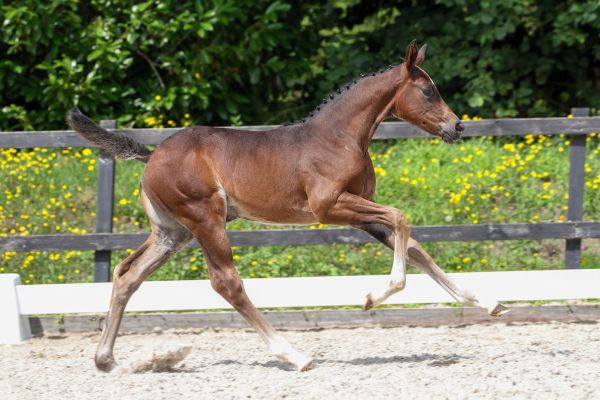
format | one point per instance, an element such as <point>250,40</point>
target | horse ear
<point>421,55</point>
<point>411,54</point>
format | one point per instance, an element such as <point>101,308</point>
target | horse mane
<point>336,94</point>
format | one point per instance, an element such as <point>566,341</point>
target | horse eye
<point>427,91</point>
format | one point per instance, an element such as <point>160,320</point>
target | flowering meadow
<point>475,181</point>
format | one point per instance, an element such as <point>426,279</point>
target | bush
<point>255,62</point>
<point>218,60</point>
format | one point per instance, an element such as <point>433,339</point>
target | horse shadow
<point>434,360</point>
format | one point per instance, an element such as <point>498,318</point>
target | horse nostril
<point>459,127</point>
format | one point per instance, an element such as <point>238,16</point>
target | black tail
<point>115,143</point>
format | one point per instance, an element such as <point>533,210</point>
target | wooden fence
<point>103,241</point>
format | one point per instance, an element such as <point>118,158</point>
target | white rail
<point>17,301</point>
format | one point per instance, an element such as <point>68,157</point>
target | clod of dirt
<point>160,362</point>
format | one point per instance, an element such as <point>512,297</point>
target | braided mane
<point>335,95</point>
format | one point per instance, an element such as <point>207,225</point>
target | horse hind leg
<point>124,265</point>
<point>128,276</point>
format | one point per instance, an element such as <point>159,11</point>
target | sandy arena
<point>530,361</point>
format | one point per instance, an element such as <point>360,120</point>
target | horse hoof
<point>305,366</point>
<point>499,310</point>
<point>369,303</point>
<point>104,363</point>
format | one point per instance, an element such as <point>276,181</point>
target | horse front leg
<point>419,258</point>
<point>206,220</point>
<point>397,280</point>
<point>350,209</point>
<point>226,281</point>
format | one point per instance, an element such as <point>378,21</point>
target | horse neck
<point>354,114</point>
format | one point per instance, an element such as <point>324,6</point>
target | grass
<point>477,180</point>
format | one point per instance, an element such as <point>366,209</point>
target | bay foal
<point>317,171</point>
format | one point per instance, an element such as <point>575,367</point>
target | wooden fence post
<point>104,207</point>
<point>576,187</point>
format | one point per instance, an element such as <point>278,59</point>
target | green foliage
<point>264,61</point>
<point>214,59</point>
<point>489,58</point>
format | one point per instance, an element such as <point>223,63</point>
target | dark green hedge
<point>256,61</point>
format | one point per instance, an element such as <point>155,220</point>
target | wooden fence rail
<point>103,241</point>
<point>300,237</point>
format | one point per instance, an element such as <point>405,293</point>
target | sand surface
<point>534,361</point>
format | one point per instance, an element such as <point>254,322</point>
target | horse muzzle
<point>451,134</point>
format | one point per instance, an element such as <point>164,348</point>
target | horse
<point>314,171</point>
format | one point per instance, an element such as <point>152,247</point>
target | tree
<point>490,58</point>
<point>221,62</point>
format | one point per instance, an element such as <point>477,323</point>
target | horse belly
<point>269,213</point>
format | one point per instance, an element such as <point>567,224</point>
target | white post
<point>14,327</point>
